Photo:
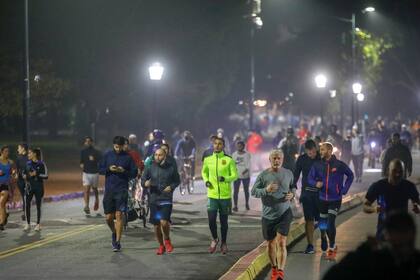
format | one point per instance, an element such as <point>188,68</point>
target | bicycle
<point>187,180</point>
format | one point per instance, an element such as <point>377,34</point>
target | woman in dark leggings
<point>36,173</point>
<point>21,161</point>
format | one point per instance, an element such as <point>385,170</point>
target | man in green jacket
<point>219,171</point>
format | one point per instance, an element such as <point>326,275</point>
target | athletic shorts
<point>310,204</point>
<point>91,180</point>
<point>223,206</point>
<point>160,212</point>
<point>4,187</point>
<point>281,225</point>
<point>115,201</point>
<point>329,207</point>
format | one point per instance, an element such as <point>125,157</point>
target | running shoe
<point>87,210</point>
<point>224,248</point>
<point>27,227</point>
<point>1,227</point>
<point>331,253</point>
<point>280,274</point>
<point>235,209</point>
<point>117,247</point>
<point>114,239</point>
<point>168,246</point>
<point>5,220</point>
<point>247,207</point>
<point>37,227</point>
<point>23,217</point>
<point>277,274</point>
<point>309,249</point>
<point>213,246</point>
<point>96,205</point>
<point>324,244</point>
<point>160,250</point>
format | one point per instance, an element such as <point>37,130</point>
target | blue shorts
<point>160,212</point>
<point>115,201</point>
<point>310,204</point>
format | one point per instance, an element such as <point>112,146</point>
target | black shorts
<point>270,228</point>
<point>310,204</point>
<point>4,187</point>
<point>329,207</point>
<point>160,212</point>
<point>115,201</point>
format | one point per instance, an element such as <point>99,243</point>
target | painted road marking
<point>48,240</point>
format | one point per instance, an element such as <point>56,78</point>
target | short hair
<point>119,140</point>
<point>328,144</point>
<point>212,137</point>
<point>396,135</point>
<point>276,152</point>
<point>88,138</point>
<point>3,148</point>
<point>24,146</point>
<point>310,144</point>
<point>221,139</point>
<point>132,136</point>
<point>37,152</point>
<point>166,145</point>
<point>241,143</point>
<point>399,221</point>
<point>398,162</point>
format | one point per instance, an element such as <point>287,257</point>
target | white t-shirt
<point>243,162</point>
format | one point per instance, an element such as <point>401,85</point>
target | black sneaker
<point>87,210</point>
<point>309,249</point>
<point>247,207</point>
<point>23,217</point>
<point>116,247</point>
<point>1,227</point>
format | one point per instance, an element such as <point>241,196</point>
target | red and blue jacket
<point>331,173</point>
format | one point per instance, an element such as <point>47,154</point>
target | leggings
<point>236,186</point>
<point>21,187</point>
<point>39,194</point>
<point>330,229</point>
<point>213,225</point>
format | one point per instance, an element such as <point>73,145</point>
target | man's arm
<point>312,176</point>
<point>175,179</point>
<point>296,172</point>
<point>233,172</point>
<point>349,180</point>
<point>205,171</point>
<point>371,196</point>
<point>259,189</point>
<point>103,166</point>
<point>147,175</point>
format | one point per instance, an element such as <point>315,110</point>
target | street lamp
<point>369,10</point>
<point>27,93</point>
<point>357,88</point>
<point>321,83</point>
<point>360,97</point>
<point>155,74</point>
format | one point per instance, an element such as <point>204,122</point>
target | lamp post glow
<point>155,74</point>
<point>321,83</point>
<point>357,88</point>
<point>369,9</point>
<point>360,97</point>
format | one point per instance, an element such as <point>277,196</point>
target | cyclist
<point>185,149</point>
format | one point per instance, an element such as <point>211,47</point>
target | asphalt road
<point>73,246</point>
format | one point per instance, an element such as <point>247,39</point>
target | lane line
<point>40,243</point>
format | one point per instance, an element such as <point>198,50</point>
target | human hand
<point>148,183</point>
<point>221,179</point>
<point>113,168</point>
<point>168,189</point>
<point>120,169</point>
<point>273,187</point>
<point>289,196</point>
<point>209,185</point>
<point>319,184</point>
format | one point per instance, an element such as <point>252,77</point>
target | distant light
<point>321,81</point>
<point>373,170</point>
<point>357,29</point>
<point>360,97</point>
<point>357,88</point>
<point>258,22</point>
<point>333,93</point>
<point>241,102</point>
<point>373,144</point>
<point>369,9</point>
<point>37,78</point>
<point>287,99</point>
<point>291,94</point>
<point>260,103</point>
<point>156,71</point>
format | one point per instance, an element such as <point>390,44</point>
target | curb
<point>252,264</point>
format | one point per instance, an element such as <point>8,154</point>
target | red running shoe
<point>331,253</point>
<point>213,246</point>
<point>160,250</point>
<point>168,246</point>
<point>277,274</point>
<point>224,248</point>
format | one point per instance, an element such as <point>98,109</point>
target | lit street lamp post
<point>321,83</point>
<point>27,93</point>
<point>155,75</point>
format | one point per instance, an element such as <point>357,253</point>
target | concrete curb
<point>252,264</point>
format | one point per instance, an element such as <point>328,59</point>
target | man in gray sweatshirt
<point>276,189</point>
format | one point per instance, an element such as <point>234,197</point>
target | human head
<point>240,146</point>
<point>118,142</point>
<point>132,139</point>
<point>310,148</point>
<point>403,127</point>
<point>218,144</point>
<point>34,154</point>
<point>400,234</point>
<point>159,155</point>
<point>212,138</point>
<point>22,149</point>
<point>187,135</point>
<point>220,132</point>
<point>290,131</point>
<point>125,147</point>
<point>333,129</point>
<point>395,138</point>
<point>276,158</point>
<point>5,151</point>
<point>165,147</point>
<point>158,134</point>
<point>326,150</point>
<point>395,171</point>
<point>88,141</point>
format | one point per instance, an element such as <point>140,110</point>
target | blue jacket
<point>331,173</point>
<point>117,181</point>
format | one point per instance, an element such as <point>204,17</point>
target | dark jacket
<point>115,181</point>
<point>41,170</point>
<point>161,176</point>
<point>304,165</point>
<point>331,173</point>
<point>21,162</point>
<point>401,152</point>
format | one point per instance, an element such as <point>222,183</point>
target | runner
<point>89,162</point>
<point>243,163</point>
<point>275,188</point>
<point>21,161</point>
<point>309,196</point>
<point>392,194</point>
<point>219,171</point>
<point>162,178</point>
<point>36,173</point>
<point>7,170</point>
<point>118,168</point>
<point>209,151</point>
<point>328,175</point>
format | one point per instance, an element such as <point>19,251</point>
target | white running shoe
<point>27,227</point>
<point>37,227</point>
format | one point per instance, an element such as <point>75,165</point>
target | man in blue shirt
<point>118,168</point>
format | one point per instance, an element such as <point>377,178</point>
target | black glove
<point>208,184</point>
<point>221,179</point>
